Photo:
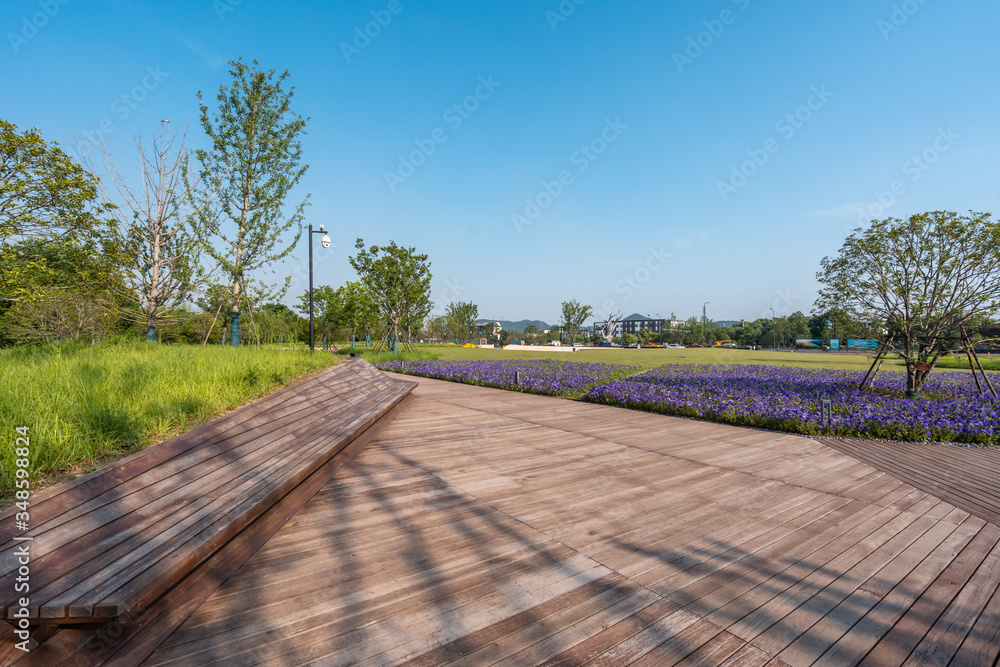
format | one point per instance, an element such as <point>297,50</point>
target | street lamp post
<point>326,244</point>
<point>704,321</point>
<point>774,344</point>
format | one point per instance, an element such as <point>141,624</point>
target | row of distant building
<point>632,325</point>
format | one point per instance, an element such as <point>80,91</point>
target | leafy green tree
<point>798,326</point>
<point>398,281</point>
<point>926,278</point>
<point>279,324</point>
<point>437,328</point>
<point>462,316</point>
<point>73,294</point>
<point>45,198</point>
<point>254,163</point>
<point>574,314</point>
<point>360,313</point>
<point>329,313</point>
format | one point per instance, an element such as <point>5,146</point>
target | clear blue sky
<point>632,126</point>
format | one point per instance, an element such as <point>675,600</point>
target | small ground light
<point>826,410</point>
<point>517,378</point>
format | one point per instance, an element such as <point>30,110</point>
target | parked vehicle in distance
<point>674,346</point>
<point>725,343</point>
<point>518,342</point>
<point>555,343</point>
<point>605,343</point>
<point>651,344</point>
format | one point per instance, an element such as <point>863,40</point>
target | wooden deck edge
<point>130,643</point>
<point>935,482</point>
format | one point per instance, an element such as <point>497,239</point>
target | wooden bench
<point>108,545</point>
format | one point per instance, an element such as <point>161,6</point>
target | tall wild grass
<point>83,404</point>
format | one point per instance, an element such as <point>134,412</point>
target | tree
<point>462,316</point>
<point>360,313</point>
<point>925,278</point>
<point>252,166</point>
<point>398,281</point>
<point>44,198</point>
<point>574,315</point>
<point>73,290</point>
<point>329,312</point>
<point>436,328</point>
<point>644,335</point>
<point>156,229</point>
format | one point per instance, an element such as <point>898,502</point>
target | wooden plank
<point>856,597</point>
<point>982,644</point>
<point>77,558</point>
<point>132,643</point>
<point>601,642</point>
<point>978,564</point>
<point>716,519</point>
<point>503,628</point>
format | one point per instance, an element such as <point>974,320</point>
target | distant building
<point>486,328</point>
<point>634,323</point>
<point>729,323</point>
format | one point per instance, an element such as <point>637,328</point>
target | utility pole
<point>704,321</point>
<point>774,344</point>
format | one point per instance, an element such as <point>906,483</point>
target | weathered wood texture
<point>489,527</point>
<point>966,477</point>
<point>108,545</point>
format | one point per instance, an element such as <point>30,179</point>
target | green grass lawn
<point>655,357</point>
<point>86,405</point>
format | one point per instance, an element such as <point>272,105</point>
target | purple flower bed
<point>950,408</point>
<point>538,376</point>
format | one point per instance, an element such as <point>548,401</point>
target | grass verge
<point>85,405</point>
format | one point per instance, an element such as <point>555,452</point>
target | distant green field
<point>655,357</point>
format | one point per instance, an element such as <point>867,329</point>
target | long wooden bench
<point>109,544</point>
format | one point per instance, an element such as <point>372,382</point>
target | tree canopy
<point>462,316</point>
<point>574,314</point>
<point>44,197</point>
<point>926,278</point>
<point>398,281</point>
<point>254,162</point>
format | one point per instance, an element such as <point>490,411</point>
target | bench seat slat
<point>119,539</point>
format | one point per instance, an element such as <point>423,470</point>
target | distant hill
<point>519,325</point>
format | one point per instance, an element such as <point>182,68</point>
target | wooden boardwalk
<point>489,527</point>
